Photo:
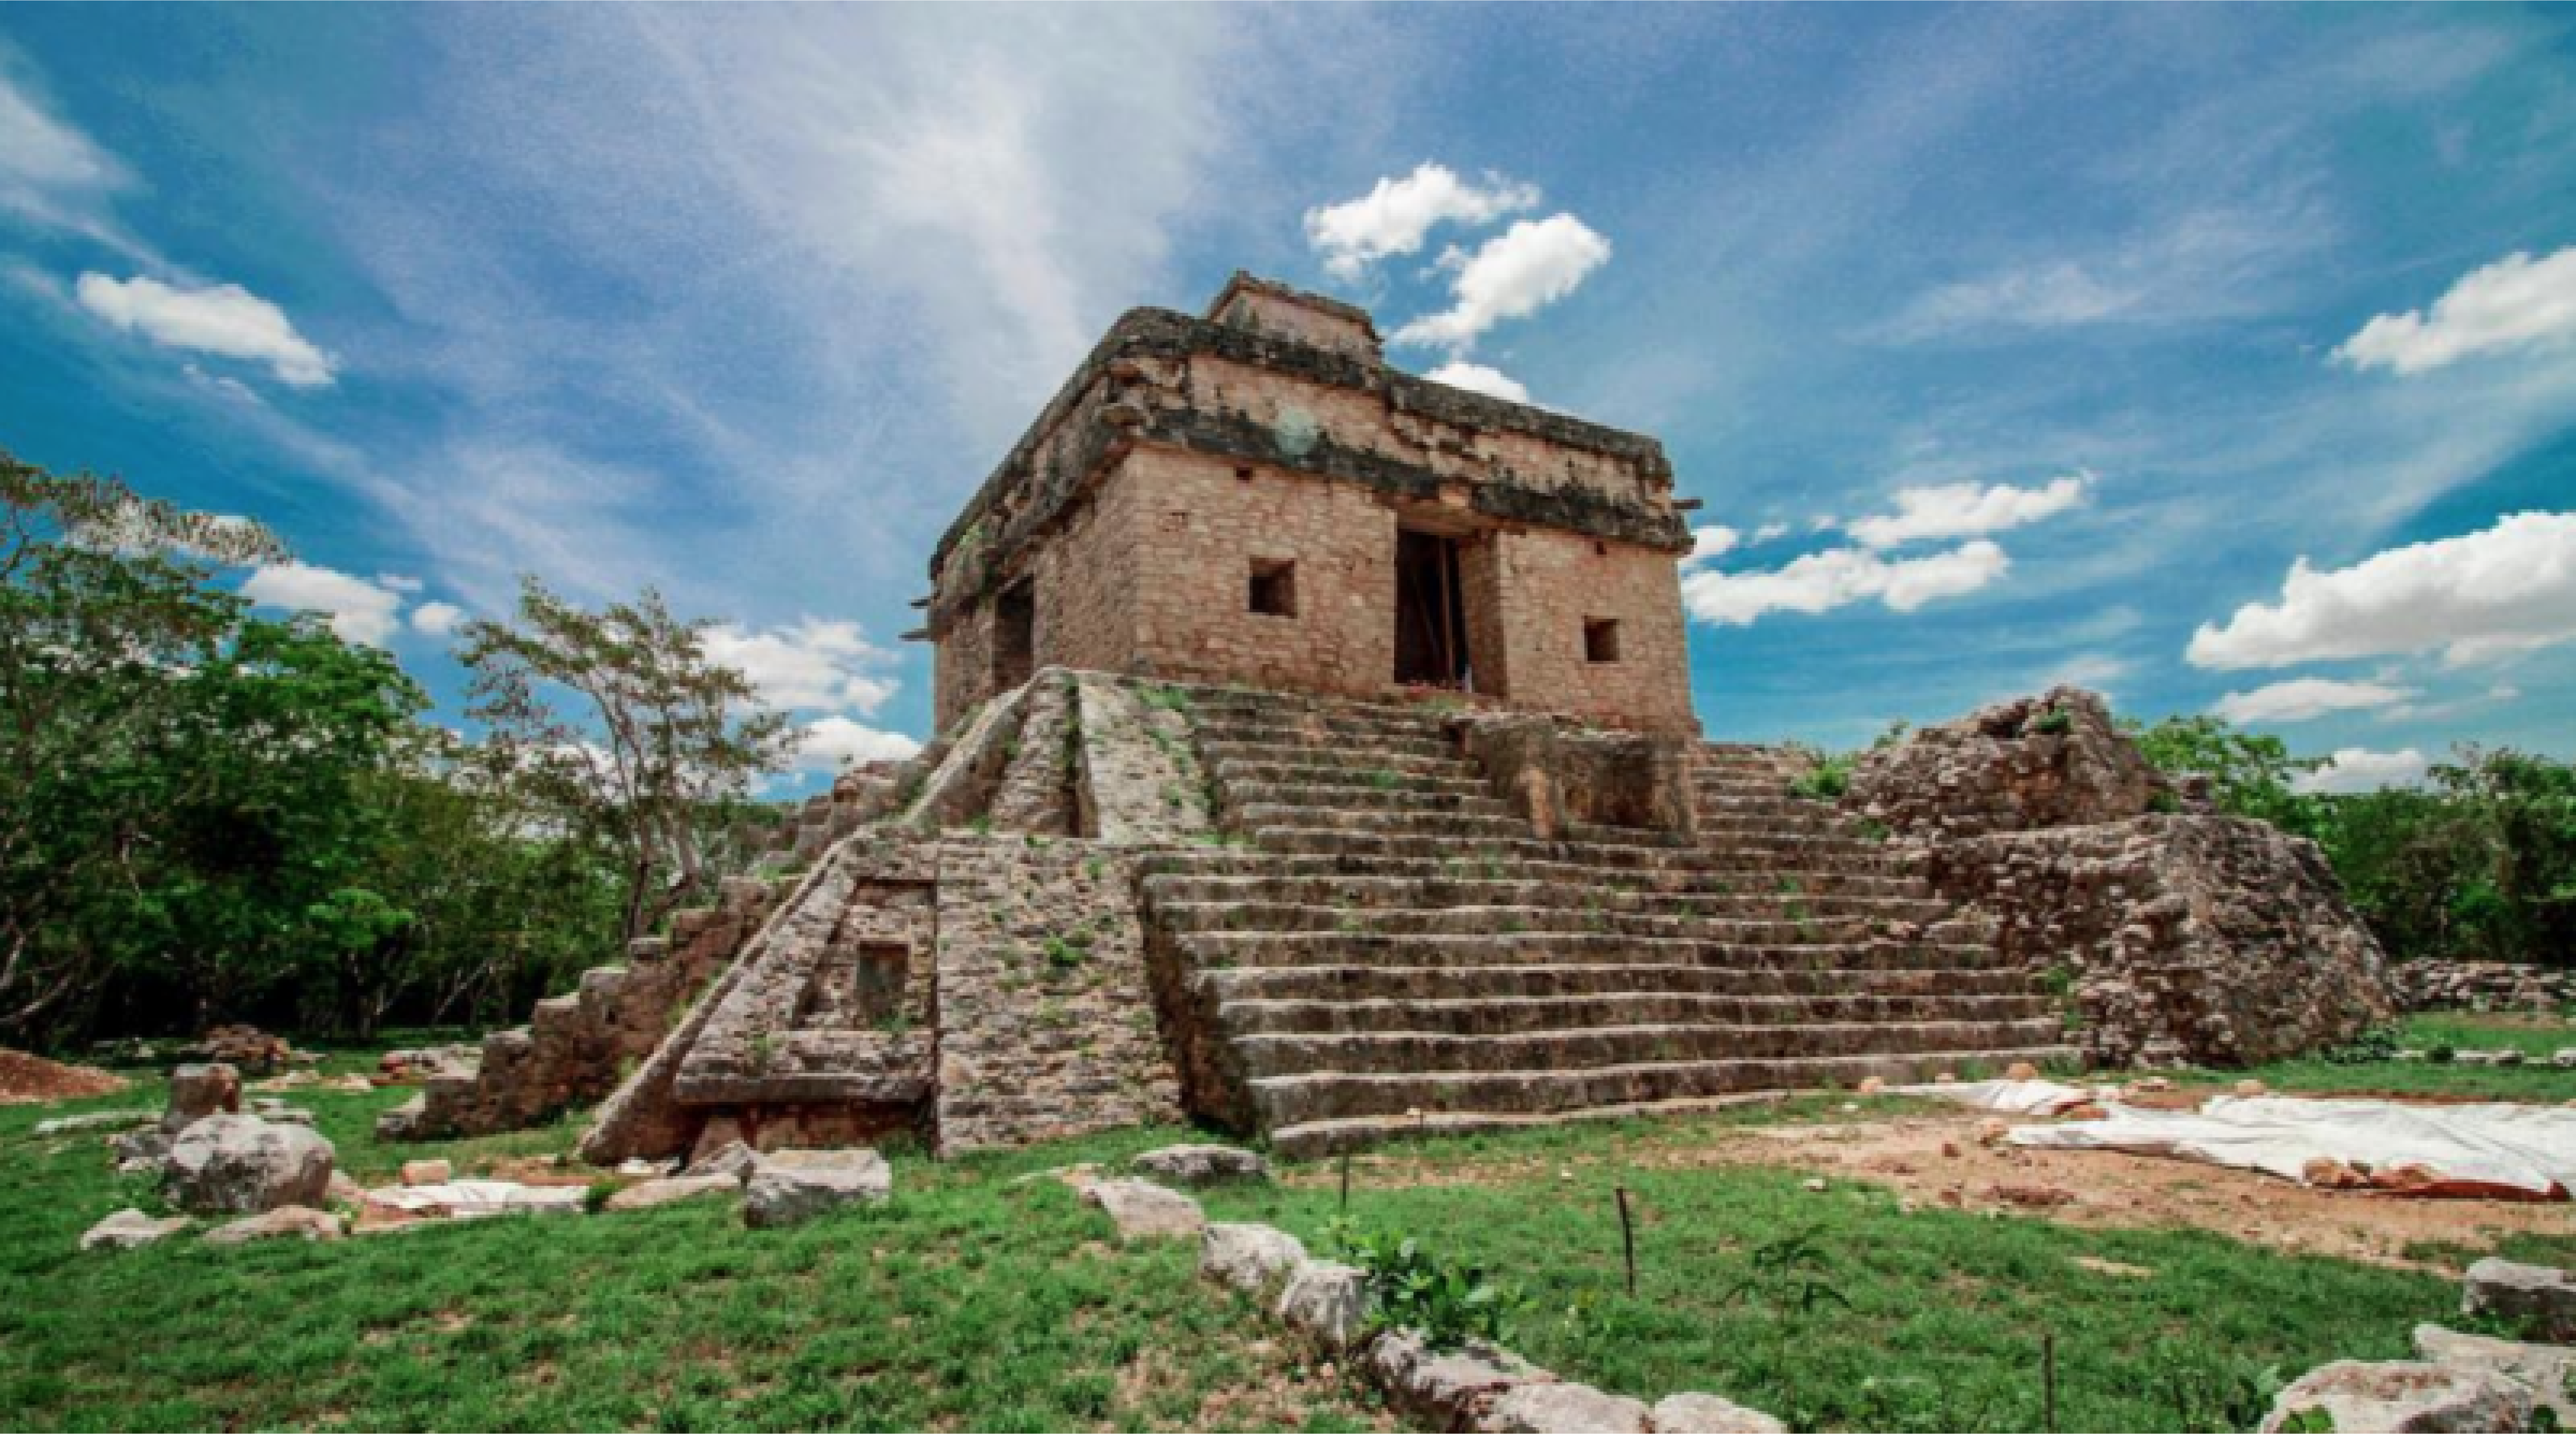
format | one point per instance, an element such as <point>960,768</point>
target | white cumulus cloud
<point>834,742</point>
<point>1398,214</point>
<point>813,666</point>
<point>1477,378</point>
<point>1712,542</point>
<point>359,610</point>
<point>2358,769</point>
<point>1514,274</point>
<point>1769,531</point>
<point>2302,698</point>
<point>1964,510</point>
<point>437,619</point>
<point>1821,582</point>
<point>222,319</point>
<point>2509,588</point>
<point>2516,302</point>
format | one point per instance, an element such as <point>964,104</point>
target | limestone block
<point>2538,1297</point>
<point>1250,1258</point>
<point>130,1227</point>
<point>1203,1165</point>
<point>1143,1210</point>
<point>2404,1398</point>
<point>1562,1409</point>
<point>1708,1414</point>
<point>1326,1302</point>
<point>245,1164</point>
<point>2541,1368</point>
<point>671,1190</point>
<point>789,1187</point>
<point>1445,1389</point>
<point>286,1222</point>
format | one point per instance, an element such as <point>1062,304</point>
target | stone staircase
<point>1393,950</point>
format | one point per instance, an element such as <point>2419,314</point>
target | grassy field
<point>966,1303</point>
<point>970,1302</point>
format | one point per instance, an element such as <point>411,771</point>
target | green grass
<point>964,1303</point>
<point>2535,1037</point>
<point>1945,1309</point>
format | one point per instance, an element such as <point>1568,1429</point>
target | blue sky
<point>2224,359</point>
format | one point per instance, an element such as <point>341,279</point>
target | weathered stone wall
<point>1035,793</point>
<point>2053,760</point>
<point>2484,986</point>
<point>1183,451</point>
<point>1556,773</point>
<point>1141,782</point>
<point>1046,1029</point>
<point>2214,940</point>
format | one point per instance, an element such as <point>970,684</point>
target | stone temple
<point>1317,761</point>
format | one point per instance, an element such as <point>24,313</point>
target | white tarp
<point>2467,1149</point>
<point>2012,1097</point>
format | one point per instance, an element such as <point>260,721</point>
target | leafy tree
<point>2249,774</point>
<point>174,773</point>
<point>656,758</point>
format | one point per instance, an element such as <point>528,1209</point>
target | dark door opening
<point>1015,637</point>
<point>1430,612</point>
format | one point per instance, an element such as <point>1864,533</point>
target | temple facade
<point>1254,497</point>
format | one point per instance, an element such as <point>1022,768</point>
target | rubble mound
<point>34,1080</point>
<point>2054,760</point>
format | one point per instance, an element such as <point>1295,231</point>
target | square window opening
<point>1274,587</point>
<point>1600,639</point>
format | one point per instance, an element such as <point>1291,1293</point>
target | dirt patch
<point>1937,1159</point>
<point>33,1080</point>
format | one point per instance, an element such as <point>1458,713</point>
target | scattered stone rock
<point>671,1189</point>
<point>2021,1070</point>
<point>2327,1173</point>
<point>1708,1414</point>
<point>2542,1368</point>
<point>641,1169</point>
<point>2112,1268</point>
<point>1144,1210</point>
<point>245,1164</point>
<point>1325,1302</point>
<point>284,1222</point>
<point>2539,1298</point>
<point>1251,1258</point>
<point>2249,1088</point>
<point>1444,1389</point>
<point>130,1227</point>
<point>428,1172</point>
<point>94,1120</point>
<point>2404,1398</point>
<point>789,1187</point>
<point>732,1158</point>
<point>198,1091</point>
<point>1203,1164</point>
<point>140,1148</point>
<point>1991,1131</point>
<point>1562,1409</point>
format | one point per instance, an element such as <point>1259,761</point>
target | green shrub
<point>1411,1288</point>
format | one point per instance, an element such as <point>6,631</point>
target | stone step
<point>1683,881</point>
<point>1503,919</point>
<point>1291,747</point>
<point>1291,837</point>
<point>1699,871</point>
<point>1238,701</point>
<point>1460,826</point>
<point>1441,1052</point>
<point>1286,1102</point>
<point>1219,950</point>
<point>1441,892</point>
<point>1363,798</point>
<point>1435,982</point>
<point>1220,717</point>
<point>1480,1013</point>
<point>1410,774</point>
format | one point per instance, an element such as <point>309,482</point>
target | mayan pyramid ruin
<point>1317,760</point>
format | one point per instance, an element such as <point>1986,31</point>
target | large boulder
<point>2402,1398</point>
<point>789,1187</point>
<point>2540,1300</point>
<point>1326,1302</point>
<point>1562,1409</point>
<point>201,1090</point>
<point>243,1164</point>
<point>1444,1389</point>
